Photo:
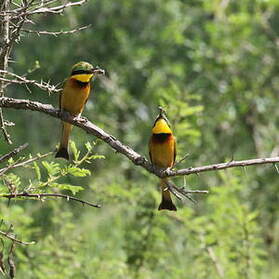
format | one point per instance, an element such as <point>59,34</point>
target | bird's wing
<point>150,146</point>
<point>174,149</point>
<point>61,93</point>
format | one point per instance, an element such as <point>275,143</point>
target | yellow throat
<point>83,77</point>
<point>161,126</point>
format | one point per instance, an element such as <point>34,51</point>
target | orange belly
<point>74,98</point>
<point>162,153</point>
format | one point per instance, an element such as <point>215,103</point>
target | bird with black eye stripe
<point>76,91</point>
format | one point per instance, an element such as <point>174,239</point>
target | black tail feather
<point>167,204</point>
<point>62,153</point>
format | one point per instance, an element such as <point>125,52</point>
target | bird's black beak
<point>162,114</point>
<point>98,71</point>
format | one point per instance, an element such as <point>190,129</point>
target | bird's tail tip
<point>62,153</point>
<point>167,205</point>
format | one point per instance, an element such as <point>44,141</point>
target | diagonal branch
<point>23,163</point>
<point>57,9</point>
<point>132,155</point>
<point>82,123</point>
<point>45,195</point>
<point>3,128</point>
<point>57,33</point>
<point>11,237</point>
<point>13,153</point>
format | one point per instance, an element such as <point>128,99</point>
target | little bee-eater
<point>162,152</point>
<point>73,98</point>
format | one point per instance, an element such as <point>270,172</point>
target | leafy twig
<point>23,163</point>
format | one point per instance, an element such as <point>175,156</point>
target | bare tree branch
<point>11,237</point>
<point>221,166</point>
<point>58,32</point>
<point>13,153</point>
<point>132,155</point>
<point>43,7</point>
<point>55,10</point>
<point>4,57</point>
<point>23,80</point>
<point>3,128</point>
<point>213,257</point>
<point>44,195</point>
<point>11,262</point>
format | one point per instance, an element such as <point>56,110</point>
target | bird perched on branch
<point>162,152</point>
<point>73,98</point>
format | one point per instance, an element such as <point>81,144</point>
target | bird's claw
<point>82,119</point>
<point>65,115</point>
<point>168,170</point>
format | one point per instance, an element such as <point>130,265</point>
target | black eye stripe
<point>80,72</point>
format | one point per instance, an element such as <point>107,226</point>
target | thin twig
<point>221,166</point>
<point>13,153</point>
<point>11,237</point>
<point>214,259</point>
<point>44,195</point>
<point>3,128</point>
<point>57,9</point>
<point>132,155</point>
<point>57,33</point>
<point>181,193</point>
<point>40,8</point>
<point>23,163</point>
<point>23,80</point>
<point>11,262</point>
<point>181,160</point>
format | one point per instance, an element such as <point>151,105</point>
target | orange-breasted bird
<point>162,152</point>
<point>73,98</point>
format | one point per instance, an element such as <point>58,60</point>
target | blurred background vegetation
<point>213,65</point>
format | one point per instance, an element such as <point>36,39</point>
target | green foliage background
<point>214,66</point>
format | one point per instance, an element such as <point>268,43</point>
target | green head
<point>85,68</point>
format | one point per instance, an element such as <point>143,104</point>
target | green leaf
<point>252,216</point>
<point>96,157</point>
<point>78,171</point>
<point>74,189</point>
<point>74,150</point>
<point>13,179</point>
<point>37,170</point>
<point>52,168</point>
<point>88,146</point>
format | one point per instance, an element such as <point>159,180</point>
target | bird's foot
<point>168,170</point>
<point>82,119</point>
<point>65,115</point>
